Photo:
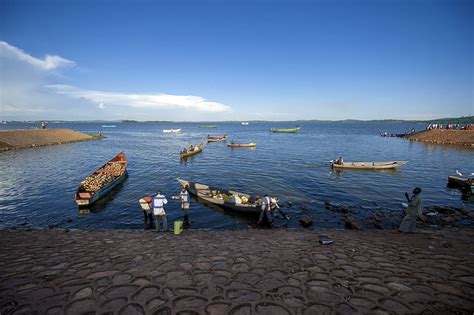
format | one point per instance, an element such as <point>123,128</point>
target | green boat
<point>287,130</point>
<point>210,126</point>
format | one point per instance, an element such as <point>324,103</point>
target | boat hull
<point>242,145</point>
<point>368,165</point>
<point>216,139</point>
<point>464,183</point>
<point>188,154</point>
<point>86,198</point>
<point>201,190</point>
<point>287,130</point>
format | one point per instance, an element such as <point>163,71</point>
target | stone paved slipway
<point>236,272</point>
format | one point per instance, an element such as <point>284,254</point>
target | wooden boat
<point>102,181</point>
<point>464,183</point>
<point>188,152</point>
<point>216,138</point>
<point>368,165</point>
<point>171,130</point>
<point>286,130</point>
<point>242,145</point>
<point>249,205</point>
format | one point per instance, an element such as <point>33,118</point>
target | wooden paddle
<point>281,212</point>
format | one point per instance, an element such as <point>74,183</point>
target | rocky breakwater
<point>445,136</point>
<point>26,138</point>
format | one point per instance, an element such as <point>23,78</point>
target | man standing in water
<point>266,208</point>
<point>184,197</point>
<point>414,211</point>
<point>159,211</point>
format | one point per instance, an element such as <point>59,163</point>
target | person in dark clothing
<point>145,204</point>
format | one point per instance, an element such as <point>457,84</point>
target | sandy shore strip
<point>27,138</point>
<point>445,136</point>
<point>237,272</point>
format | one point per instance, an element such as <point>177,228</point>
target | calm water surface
<point>37,185</point>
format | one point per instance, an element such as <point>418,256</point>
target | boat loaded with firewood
<point>368,165</point>
<point>228,199</point>
<point>102,181</point>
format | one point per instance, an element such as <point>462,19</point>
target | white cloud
<point>142,101</point>
<point>26,92</point>
<point>50,62</point>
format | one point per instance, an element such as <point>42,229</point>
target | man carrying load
<point>145,203</point>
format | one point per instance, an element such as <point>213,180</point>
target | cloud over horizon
<point>32,88</point>
<point>143,101</point>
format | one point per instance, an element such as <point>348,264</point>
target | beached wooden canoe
<point>286,130</point>
<point>464,183</point>
<point>242,145</point>
<point>223,198</point>
<point>102,181</point>
<point>368,165</point>
<point>188,152</point>
<point>216,138</point>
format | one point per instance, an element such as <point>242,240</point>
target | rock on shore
<point>445,136</point>
<point>27,138</point>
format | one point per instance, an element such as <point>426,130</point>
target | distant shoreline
<point>454,120</point>
<point>31,138</point>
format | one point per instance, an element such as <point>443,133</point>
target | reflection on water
<point>38,185</point>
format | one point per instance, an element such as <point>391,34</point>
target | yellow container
<point>178,227</point>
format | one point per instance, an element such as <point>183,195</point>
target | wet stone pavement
<point>236,272</point>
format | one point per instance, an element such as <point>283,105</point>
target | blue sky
<point>236,60</point>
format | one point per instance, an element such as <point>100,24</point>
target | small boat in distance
<point>286,130</point>
<point>216,138</point>
<point>368,165</point>
<point>108,126</point>
<point>191,150</point>
<point>233,200</point>
<point>242,145</point>
<point>207,126</point>
<point>245,123</point>
<point>102,181</point>
<point>171,130</point>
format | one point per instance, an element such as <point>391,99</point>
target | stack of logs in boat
<point>102,177</point>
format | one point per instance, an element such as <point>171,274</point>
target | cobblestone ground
<point>236,272</point>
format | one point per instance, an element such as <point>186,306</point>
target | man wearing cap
<point>159,211</point>
<point>414,211</point>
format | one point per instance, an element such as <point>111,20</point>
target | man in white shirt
<point>159,211</point>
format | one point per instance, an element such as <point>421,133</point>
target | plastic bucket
<point>178,227</point>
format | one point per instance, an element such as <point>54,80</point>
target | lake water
<point>37,185</point>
